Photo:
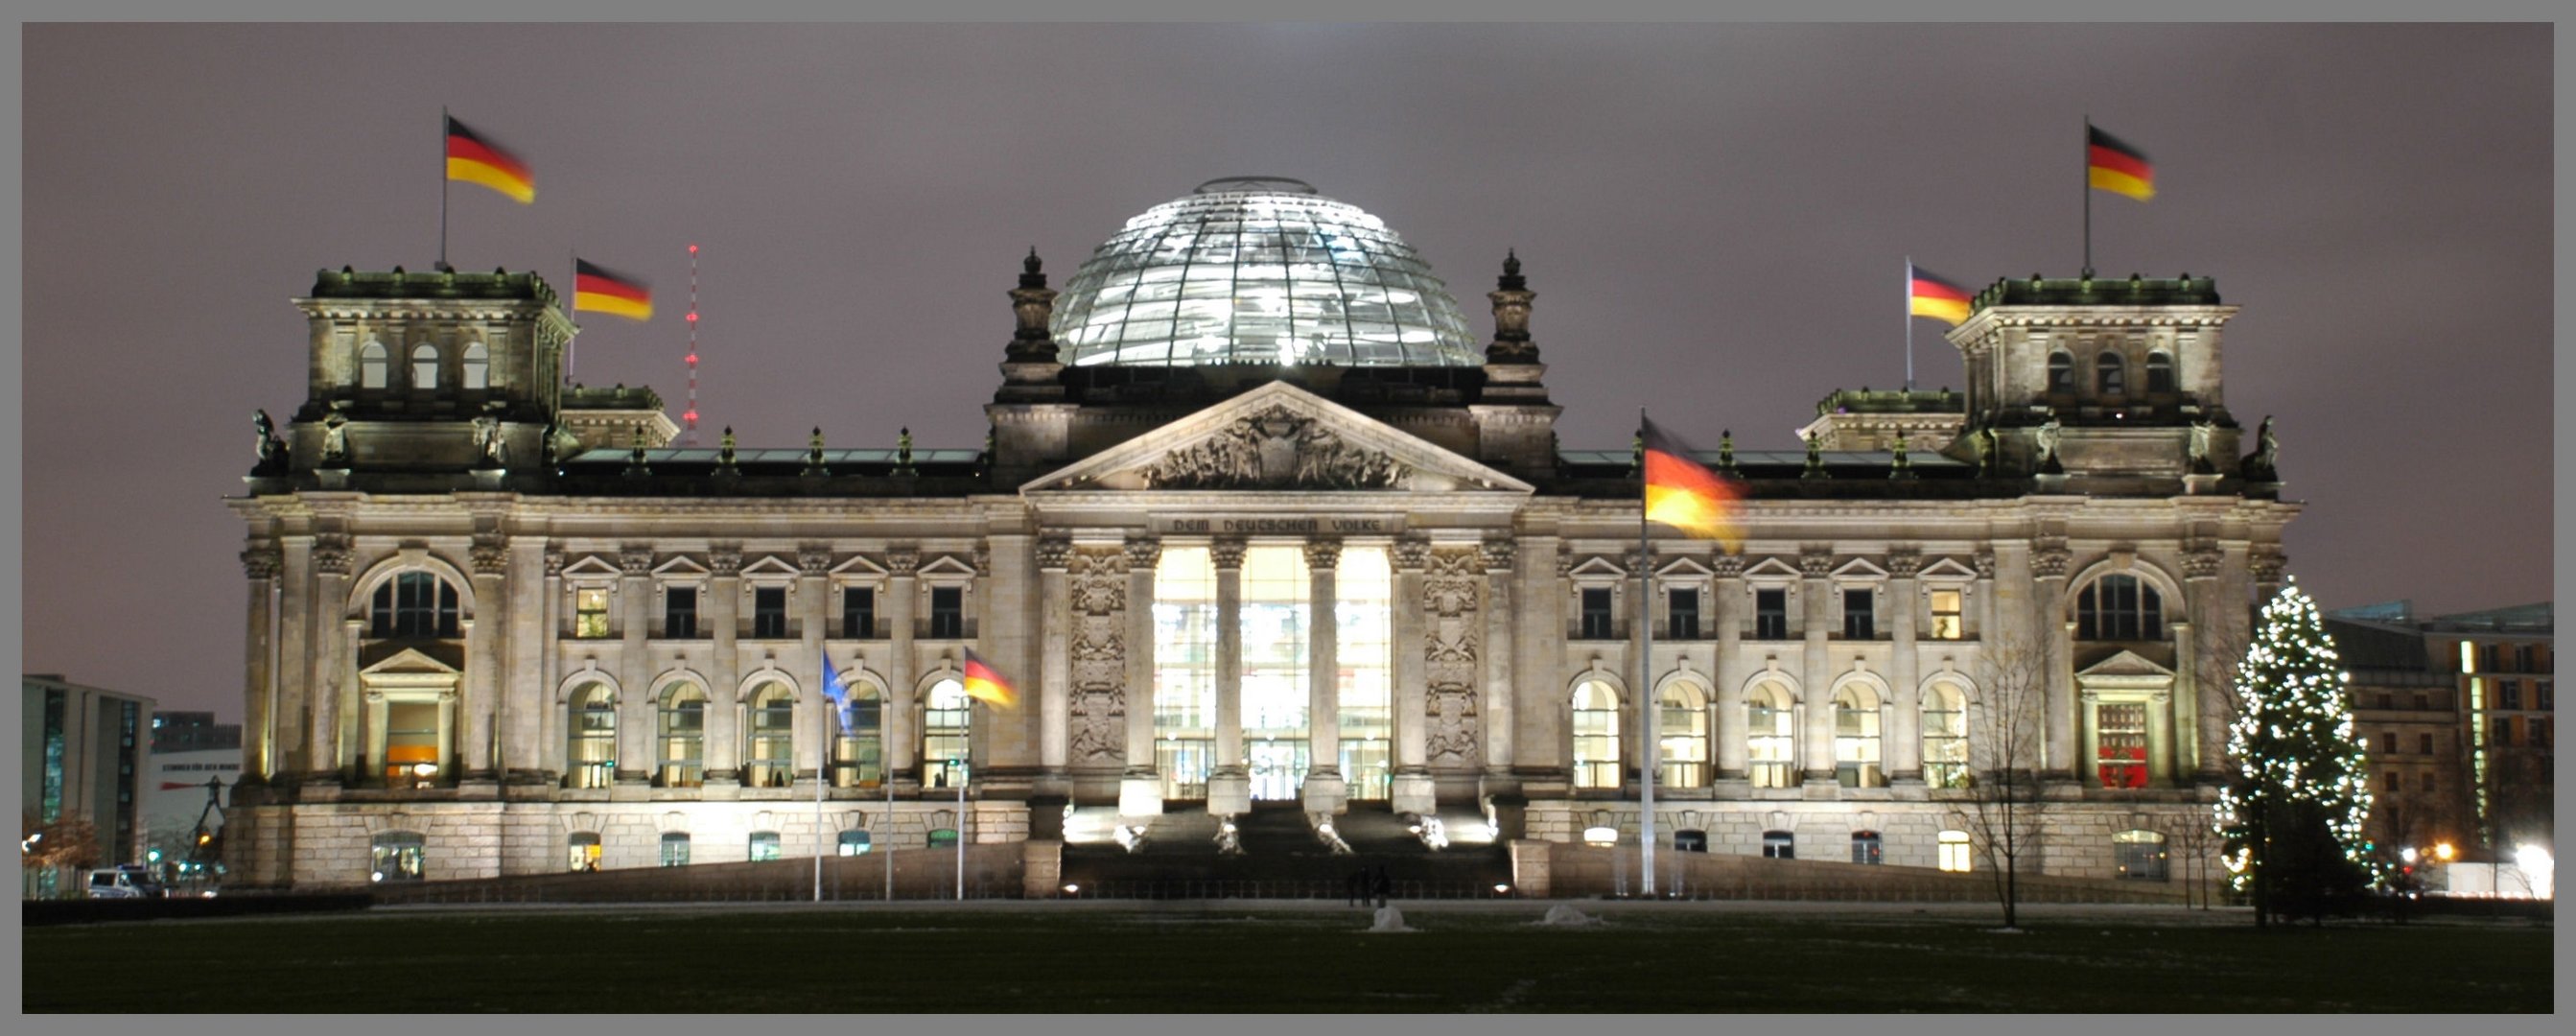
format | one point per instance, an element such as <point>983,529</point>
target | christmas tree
<point>2292,816</point>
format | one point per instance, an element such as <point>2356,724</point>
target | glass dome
<point>1258,270</point>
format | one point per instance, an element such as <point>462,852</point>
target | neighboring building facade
<point>2458,713</point>
<point>478,645</point>
<point>84,755</point>
<point>189,750</point>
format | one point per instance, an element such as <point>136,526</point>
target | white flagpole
<point>959,772</point>
<point>1909,323</point>
<point>887,780</point>
<point>822,769</point>
<point>1645,695</point>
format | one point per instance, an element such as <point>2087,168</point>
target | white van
<point>123,883</point>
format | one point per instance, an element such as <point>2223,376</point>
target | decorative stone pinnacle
<point>814,466</point>
<point>903,452</point>
<point>1511,297</point>
<point>1726,450</point>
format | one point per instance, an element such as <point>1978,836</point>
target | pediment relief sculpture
<point>1275,449</point>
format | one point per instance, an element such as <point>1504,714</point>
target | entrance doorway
<point>1278,769</point>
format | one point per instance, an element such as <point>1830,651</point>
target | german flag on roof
<point>596,290</point>
<point>1686,495</point>
<point>473,159</point>
<point>2110,165</point>
<point>1936,297</point>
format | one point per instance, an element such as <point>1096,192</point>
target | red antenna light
<point>689,432</point>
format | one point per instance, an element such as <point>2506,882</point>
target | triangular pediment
<point>680,568</point>
<point>858,568</point>
<point>409,661</point>
<point>592,566</point>
<point>2126,664</point>
<point>1598,568</point>
<point>1771,568</point>
<point>1684,568</point>
<point>946,565</point>
<point>1859,569</point>
<point>1277,437</point>
<point>770,567</point>
<point>1947,569</point>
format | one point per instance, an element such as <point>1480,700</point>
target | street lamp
<point>2443,852</point>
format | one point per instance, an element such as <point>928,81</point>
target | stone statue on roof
<point>2202,432</point>
<point>2263,465</point>
<point>2047,440</point>
<point>335,437</point>
<point>488,444</point>
<point>271,453</point>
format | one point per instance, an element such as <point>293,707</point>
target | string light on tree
<point>2293,814</point>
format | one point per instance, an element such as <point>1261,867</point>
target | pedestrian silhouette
<point>1384,884</point>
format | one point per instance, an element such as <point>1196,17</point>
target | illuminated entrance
<point>1275,690</point>
<point>1278,769</point>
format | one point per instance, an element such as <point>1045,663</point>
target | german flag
<point>1686,495</point>
<point>598,291</point>
<point>985,683</point>
<point>2118,168</point>
<point>1936,298</point>
<point>475,160</point>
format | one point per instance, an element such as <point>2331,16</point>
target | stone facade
<point>498,656</point>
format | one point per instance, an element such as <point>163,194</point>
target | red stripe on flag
<point>598,285</point>
<point>474,150</point>
<point>1927,288</point>
<point>2105,158</point>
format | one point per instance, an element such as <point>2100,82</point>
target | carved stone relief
<point>1276,449</point>
<point>1098,723</point>
<point>1452,633</point>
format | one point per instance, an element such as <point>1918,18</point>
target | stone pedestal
<point>1413,793</point>
<point>1140,795</point>
<point>1229,794</point>
<point>1325,792</point>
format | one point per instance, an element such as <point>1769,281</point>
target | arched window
<point>1856,750</point>
<point>854,843</point>
<point>683,729</point>
<point>424,366</point>
<point>764,846</point>
<point>413,604</point>
<point>1954,848</point>
<point>1596,736</point>
<point>1945,737</point>
<point>478,367</point>
<point>1779,845</point>
<point>2141,855</point>
<point>2160,371</point>
<point>397,856</point>
<point>2110,374</point>
<point>675,850</point>
<point>583,851</point>
<point>2119,607</point>
<point>1767,732</point>
<point>858,754</point>
<point>770,757</point>
<point>2061,374</point>
<point>371,365</point>
<point>1867,848</point>
<point>1683,728</point>
<point>943,736</point>
<point>590,738</point>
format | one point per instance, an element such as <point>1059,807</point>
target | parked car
<point>123,883</point>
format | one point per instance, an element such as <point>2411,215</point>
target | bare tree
<point>69,843</point>
<point>2005,803</point>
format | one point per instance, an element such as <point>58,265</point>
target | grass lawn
<point>1263,958</point>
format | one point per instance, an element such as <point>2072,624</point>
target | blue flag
<point>837,691</point>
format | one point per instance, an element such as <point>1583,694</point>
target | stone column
<point>325,753</point>
<point>1499,704</point>
<point>2202,674</point>
<point>1140,790</point>
<point>724,623</point>
<point>1229,782</point>
<point>1324,791</point>
<point>1729,730</point>
<point>2048,560</point>
<point>1902,735</point>
<point>813,564</point>
<point>1991,639</point>
<point>1055,660</point>
<point>2265,562</point>
<point>478,703</point>
<point>527,697</point>
<point>260,563</point>
<point>296,619</point>
<point>634,606</point>
<point>1542,711</point>
<point>1815,591</point>
<point>1411,787</point>
<point>548,643</point>
<point>903,706</point>
<point>1002,602</point>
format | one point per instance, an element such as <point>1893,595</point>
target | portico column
<point>813,561</point>
<point>903,706</point>
<point>1816,756</point>
<point>2048,561</point>
<point>1729,730</point>
<point>724,617</point>
<point>1411,789</point>
<point>1055,659</point>
<point>634,603</point>
<point>1905,715</point>
<point>1229,783</point>
<point>478,703</point>
<point>1499,704</point>
<point>328,683</point>
<point>527,697</point>
<point>2203,655</point>
<point>1140,790</point>
<point>1324,791</point>
<point>260,563</point>
<point>297,616</point>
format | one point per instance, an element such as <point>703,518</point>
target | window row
<point>2505,658</point>
<point>2139,855</point>
<point>769,618</point>
<point>375,366</point>
<point>400,856</point>
<point>1770,737</point>
<point>767,745</point>
<point>2388,743</point>
<point>1598,617</point>
<point>2111,373</point>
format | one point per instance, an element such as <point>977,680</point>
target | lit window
<point>411,744</point>
<point>1364,582</point>
<point>1953,847</point>
<point>2118,607</point>
<point>1779,845</point>
<point>1867,848</point>
<point>583,852</point>
<point>2120,730</point>
<point>854,843</point>
<point>1946,611</point>
<point>478,367</point>
<point>1856,755</point>
<point>943,736</point>
<point>683,731</point>
<point>769,613</point>
<point>1600,836</point>
<point>414,604</point>
<point>2141,855</point>
<point>943,838</point>
<point>371,365</point>
<point>1683,729</point>
<point>2160,372</point>
<point>2110,374</point>
<point>859,753</point>
<point>590,612</point>
<point>397,856</point>
<point>680,611</point>
<point>764,846</point>
<point>1771,614</point>
<point>590,739</point>
<point>1945,737</point>
<point>1596,736</point>
<point>2061,374</point>
<point>771,761</point>
<point>424,366</point>
<point>1768,716</point>
<point>1276,691</point>
<point>675,850</point>
<point>1597,614</point>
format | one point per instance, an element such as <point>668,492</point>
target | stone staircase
<point>1282,858</point>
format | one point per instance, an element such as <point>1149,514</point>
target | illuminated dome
<point>1258,269</point>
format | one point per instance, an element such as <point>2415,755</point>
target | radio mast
<point>689,417</point>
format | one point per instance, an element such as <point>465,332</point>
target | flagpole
<point>961,809</point>
<point>568,298</point>
<point>822,766</point>
<point>442,187</point>
<point>1909,320</point>
<point>886,779</point>
<point>1645,696</point>
<point>2088,196</point>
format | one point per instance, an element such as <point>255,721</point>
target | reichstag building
<point>1261,529</point>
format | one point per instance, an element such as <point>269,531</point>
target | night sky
<point>1715,219</point>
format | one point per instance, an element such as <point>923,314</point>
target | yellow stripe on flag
<point>2121,183</point>
<point>471,171</point>
<point>616,306</point>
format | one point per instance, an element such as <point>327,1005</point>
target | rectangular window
<point>2539,732</point>
<point>1856,615</point>
<point>2388,742</point>
<point>1681,605</point>
<point>858,612</point>
<point>1596,614</point>
<point>2388,781</point>
<point>1779,845</point>
<point>2387,701</point>
<point>1770,614</point>
<point>2423,703</point>
<point>675,850</point>
<point>1185,641</point>
<point>2541,698</point>
<point>2508,694</point>
<point>1946,610</point>
<point>947,612</point>
<point>2428,780</point>
<point>590,612</point>
<point>2423,744</point>
<point>2120,731</point>
<point>680,611</point>
<point>1954,849</point>
<point>2504,730</point>
<point>2522,658</point>
<point>769,613</point>
<point>764,846</point>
